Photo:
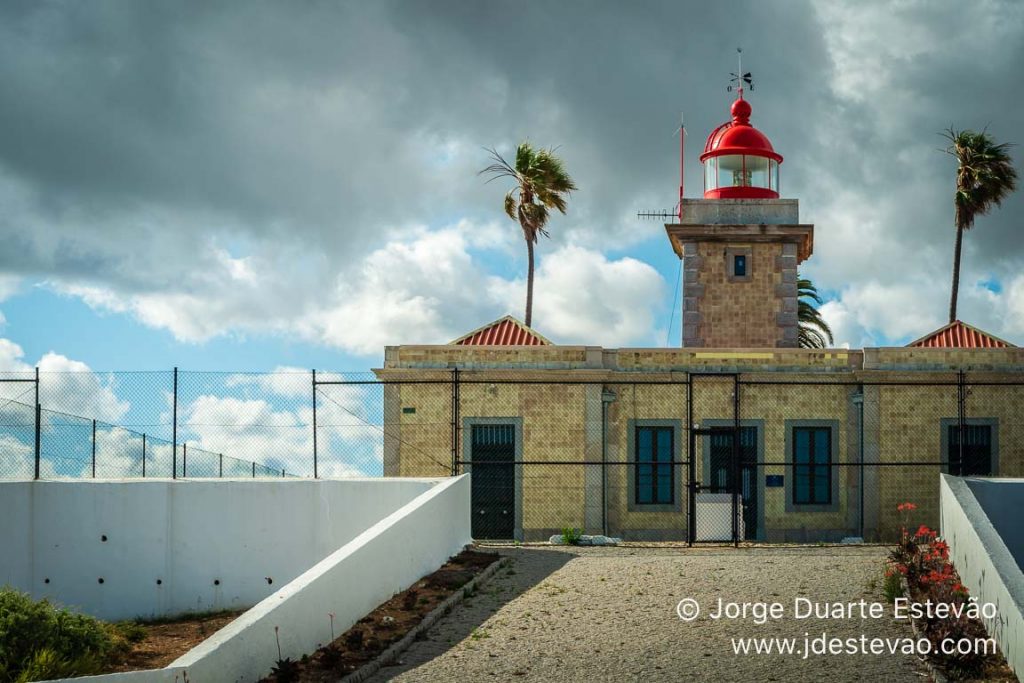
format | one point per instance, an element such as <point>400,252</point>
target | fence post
<point>282,473</point>
<point>39,426</point>
<point>858,400</point>
<point>184,459</point>
<point>315,472</point>
<point>94,449</point>
<point>220,465</point>
<point>143,456</point>
<point>604,463</point>
<point>455,421</point>
<point>736,460</point>
<point>39,415</point>
<point>961,399</point>
<point>174,429</point>
<point>691,467</point>
<point>254,470</point>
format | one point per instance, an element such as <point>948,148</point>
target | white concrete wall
<point>383,560</point>
<point>985,564</point>
<point>211,544</point>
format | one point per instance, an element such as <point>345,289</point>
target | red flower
<point>906,506</point>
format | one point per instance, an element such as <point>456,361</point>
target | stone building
<point>736,435</point>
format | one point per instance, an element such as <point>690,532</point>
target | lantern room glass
<point>741,170</point>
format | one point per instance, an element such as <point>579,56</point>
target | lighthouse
<point>741,244</point>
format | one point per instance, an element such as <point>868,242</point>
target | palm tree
<point>541,183</point>
<point>814,332</point>
<point>984,177</point>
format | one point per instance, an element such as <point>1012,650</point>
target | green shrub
<point>571,536</point>
<point>39,640</point>
<point>130,631</point>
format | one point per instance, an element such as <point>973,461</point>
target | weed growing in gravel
<point>571,536</point>
<point>893,587</point>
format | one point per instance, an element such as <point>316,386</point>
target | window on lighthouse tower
<point>741,170</point>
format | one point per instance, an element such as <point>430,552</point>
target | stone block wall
<point>561,399</point>
<point>720,311</point>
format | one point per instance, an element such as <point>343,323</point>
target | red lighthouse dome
<point>739,160</point>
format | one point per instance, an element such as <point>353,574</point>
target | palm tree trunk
<point>956,274</point>
<point>529,283</point>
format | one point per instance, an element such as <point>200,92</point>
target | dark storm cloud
<point>133,134</point>
<point>268,115</point>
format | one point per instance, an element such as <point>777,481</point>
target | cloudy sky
<point>248,185</point>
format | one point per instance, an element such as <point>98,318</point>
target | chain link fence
<point>774,457</point>
<point>715,457</point>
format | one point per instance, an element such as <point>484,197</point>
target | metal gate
<point>722,465</point>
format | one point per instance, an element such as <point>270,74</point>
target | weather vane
<point>739,78</point>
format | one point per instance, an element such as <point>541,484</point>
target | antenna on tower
<point>739,78</point>
<point>677,211</point>
<point>682,164</point>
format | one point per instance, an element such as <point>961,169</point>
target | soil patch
<point>162,641</point>
<point>386,625</point>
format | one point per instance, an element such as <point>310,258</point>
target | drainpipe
<point>858,400</point>
<point>607,398</point>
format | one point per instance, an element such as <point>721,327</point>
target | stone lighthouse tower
<point>740,244</point>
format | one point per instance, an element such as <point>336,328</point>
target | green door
<point>492,473</point>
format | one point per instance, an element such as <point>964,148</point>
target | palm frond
<point>810,338</point>
<point>813,332</point>
<point>510,204</point>
<point>985,174</point>
<point>499,169</point>
<point>805,289</point>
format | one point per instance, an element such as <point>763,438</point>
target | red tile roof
<point>505,331</point>
<point>960,335</point>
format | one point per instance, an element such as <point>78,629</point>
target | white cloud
<point>286,381</point>
<point>18,455</point>
<point>428,286</point>
<point>9,285</point>
<point>580,296</point>
<point>1014,298</point>
<point>66,386</point>
<point>12,357</point>
<point>349,443</point>
<point>70,386</point>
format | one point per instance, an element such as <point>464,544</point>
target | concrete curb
<point>392,653</point>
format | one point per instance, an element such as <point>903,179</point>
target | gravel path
<point>609,614</point>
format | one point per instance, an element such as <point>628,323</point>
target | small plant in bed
<point>286,671</point>
<point>571,536</point>
<point>389,623</point>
